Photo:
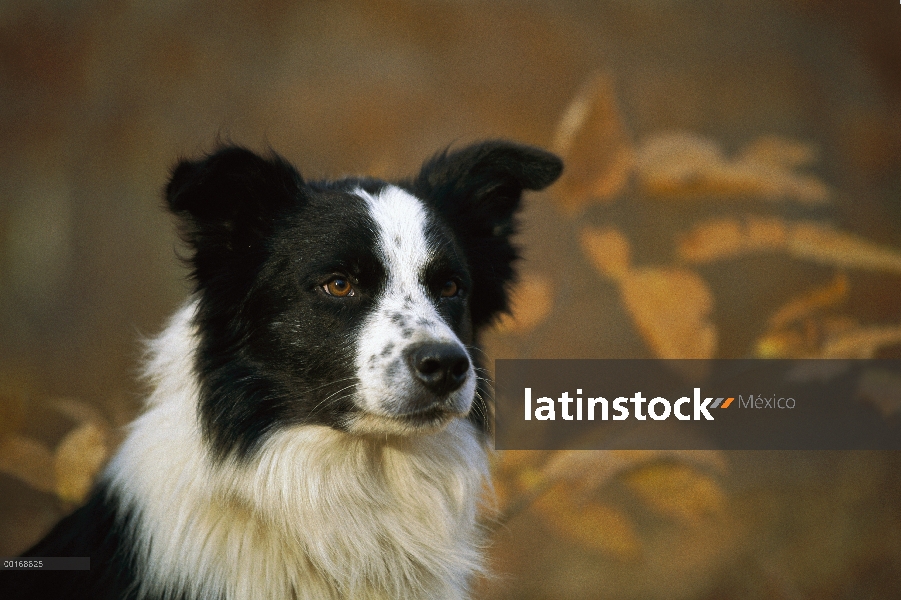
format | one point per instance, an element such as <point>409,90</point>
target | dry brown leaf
<point>676,490</point>
<point>531,303</point>
<point>765,232</point>
<point>729,237</point>
<point>712,240</point>
<point>881,388</point>
<point>587,471</point>
<point>591,524</point>
<point>595,145</point>
<point>825,245</point>
<point>719,239</point>
<point>671,308</point>
<point>79,457</point>
<point>689,165</point>
<point>779,152</point>
<point>803,306</point>
<point>861,343</point>
<point>608,250</point>
<point>28,460</point>
<point>803,339</point>
<point>784,344</point>
<point>561,483</point>
<point>671,163</point>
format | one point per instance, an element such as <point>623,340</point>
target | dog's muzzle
<point>439,366</point>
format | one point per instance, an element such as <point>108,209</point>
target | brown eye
<point>450,289</point>
<point>339,287</point>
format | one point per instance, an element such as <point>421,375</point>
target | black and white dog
<point>316,427</point>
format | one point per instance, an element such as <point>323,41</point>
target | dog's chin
<point>406,424</point>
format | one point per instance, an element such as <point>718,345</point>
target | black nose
<point>442,368</point>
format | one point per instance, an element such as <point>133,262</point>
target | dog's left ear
<point>478,189</point>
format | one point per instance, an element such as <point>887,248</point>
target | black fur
<point>95,530</point>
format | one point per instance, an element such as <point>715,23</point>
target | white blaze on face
<point>404,314</point>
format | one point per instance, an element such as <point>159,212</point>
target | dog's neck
<point>314,513</point>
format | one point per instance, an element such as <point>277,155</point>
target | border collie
<point>317,422</point>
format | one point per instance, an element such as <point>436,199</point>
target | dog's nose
<point>442,368</point>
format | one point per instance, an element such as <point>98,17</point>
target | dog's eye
<point>339,287</point>
<point>450,289</point>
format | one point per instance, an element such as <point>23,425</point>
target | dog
<point>317,422</point>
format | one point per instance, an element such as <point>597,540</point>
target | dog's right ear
<point>232,193</point>
<point>227,203</point>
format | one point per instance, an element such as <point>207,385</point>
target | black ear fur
<point>227,203</point>
<point>478,189</point>
<point>230,188</point>
<point>487,178</point>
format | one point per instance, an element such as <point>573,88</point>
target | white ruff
<point>317,513</point>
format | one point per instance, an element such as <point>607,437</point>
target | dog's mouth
<point>429,419</point>
<point>436,412</point>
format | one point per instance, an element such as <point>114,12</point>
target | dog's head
<point>352,303</point>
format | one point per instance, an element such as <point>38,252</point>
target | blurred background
<point>733,188</point>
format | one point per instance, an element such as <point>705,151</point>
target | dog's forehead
<point>402,229</point>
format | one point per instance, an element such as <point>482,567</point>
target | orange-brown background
<point>733,188</point>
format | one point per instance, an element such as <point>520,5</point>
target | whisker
<point>319,387</point>
<point>329,399</point>
<point>477,349</point>
<point>489,384</point>
<point>322,406</point>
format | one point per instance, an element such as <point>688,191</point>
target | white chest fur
<point>316,513</point>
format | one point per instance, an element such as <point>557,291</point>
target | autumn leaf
<point>608,250</point>
<point>862,342</point>
<point>785,344</point>
<point>78,459</point>
<point>688,165</point>
<point>779,152</point>
<point>671,308</point>
<point>819,298</point>
<point>803,339</point>
<point>672,482</point>
<point>673,163</point>
<point>825,245</point>
<point>676,490</point>
<point>719,239</point>
<point>592,525</point>
<point>531,303</point>
<point>798,328</point>
<point>595,145</point>
<point>729,237</point>
<point>589,470</point>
